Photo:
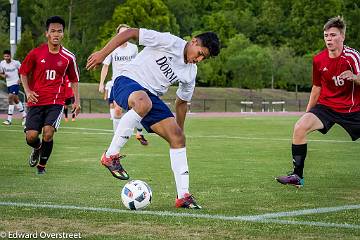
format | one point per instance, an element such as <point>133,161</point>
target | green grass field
<point>232,163</point>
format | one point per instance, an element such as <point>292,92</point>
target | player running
<point>334,98</point>
<point>165,60</point>
<point>118,58</point>
<point>47,65</point>
<point>9,69</point>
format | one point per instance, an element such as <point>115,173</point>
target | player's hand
<point>32,96</point>
<point>348,75</point>
<point>94,60</point>
<point>101,88</point>
<point>75,108</point>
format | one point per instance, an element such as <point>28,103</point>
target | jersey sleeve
<point>355,62</point>
<point>316,75</point>
<point>18,64</point>
<point>107,60</point>
<point>151,38</point>
<point>28,63</point>
<point>73,71</point>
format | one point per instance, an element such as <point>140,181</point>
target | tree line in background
<point>265,43</point>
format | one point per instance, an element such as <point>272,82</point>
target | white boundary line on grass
<point>264,218</point>
<point>110,132</point>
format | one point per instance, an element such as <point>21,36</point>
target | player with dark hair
<point>9,69</point>
<point>334,98</point>
<point>165,60</point>
<point>43,76</point>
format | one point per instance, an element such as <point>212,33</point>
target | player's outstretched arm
<point>98,57</point>
<point>181,109</point>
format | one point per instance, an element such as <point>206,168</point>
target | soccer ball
<point>136,195</point>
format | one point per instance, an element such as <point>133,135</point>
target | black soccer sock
<point>46,149</point>
<point>73,115</point>
<point>66,112</point>
<point>35,144</point>
<point>299,155</point>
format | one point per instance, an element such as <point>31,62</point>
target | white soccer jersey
<point>120,57</point>
<point>161,64</point>
<point>11,70</point>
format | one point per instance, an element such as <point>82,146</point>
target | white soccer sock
<point>181,170</point>
<point>115,123</point>
<point>112,113</point>
<point>20,106</point>
<point>123,132</point>
<point>10,112</point>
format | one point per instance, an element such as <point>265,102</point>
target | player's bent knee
<point>117,113</point>
<point>31,139</point>
<point>48,133</point>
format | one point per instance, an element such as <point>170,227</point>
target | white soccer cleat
<point>6,122</point>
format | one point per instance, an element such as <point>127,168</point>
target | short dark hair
<point>211,41</point>
<point>337,22</point>
<point>54,19</point>
<point>7,52</point>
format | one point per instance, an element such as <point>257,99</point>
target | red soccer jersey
<point>340,95</point>
<point>68,90</point>
<point>48,73</point>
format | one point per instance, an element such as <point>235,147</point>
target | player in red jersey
<point>43,76</point>
<point>334,98</point>
<point>69,99</point>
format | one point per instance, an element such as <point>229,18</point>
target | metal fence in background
<point>214,105</point>
<point>202,105</point>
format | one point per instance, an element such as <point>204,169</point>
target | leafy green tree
<point>151,14</point>
<point>4,32</point>
<point>306,22</point>
<point>352,17</point>
<point>25,45</point>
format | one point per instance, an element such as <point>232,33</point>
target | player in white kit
<point>121,56</point>
<point>9,69</point>
<point>165,60</point>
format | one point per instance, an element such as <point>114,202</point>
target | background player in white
<point>165,60</point>
<point>9,69</point>
<point>118,58</point>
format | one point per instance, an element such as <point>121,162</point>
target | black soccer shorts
<point>69,100</point>
<point>349,121</point>
<point>39,116</point>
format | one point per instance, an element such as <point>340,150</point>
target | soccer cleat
<point>6,122</point>
<point>40,169</point>
<point>34,157</point>
<point>66,119</point>
<point>73,120</point>
<point>187,202</point>
<point>291,179</point>
<point>113,164</point>
<point>142,139</point>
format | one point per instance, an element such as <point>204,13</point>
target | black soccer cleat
<point>34,157</point>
